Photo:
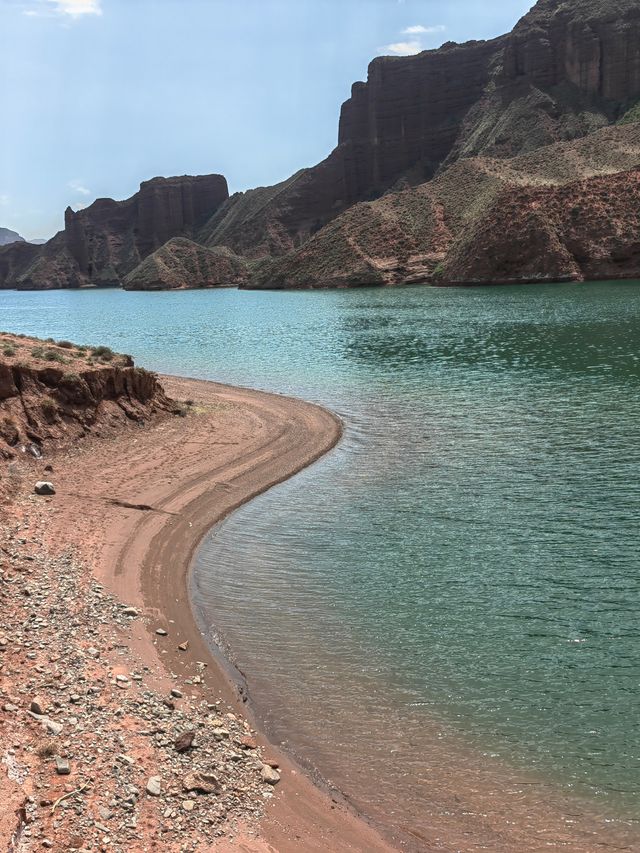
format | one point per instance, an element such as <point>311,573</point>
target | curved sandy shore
<point>133,507</point>
<point>138,509</point>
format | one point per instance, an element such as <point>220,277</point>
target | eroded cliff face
<point>51,395</point>
<point>105,241</point>
<point>591,44</point>
<point>568,211</point>
<point>566,70</point>
<point>408,113</point>
<point>109,238</point>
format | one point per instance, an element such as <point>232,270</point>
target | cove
<point>464,567</point>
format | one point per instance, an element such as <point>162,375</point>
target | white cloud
<point>419,29</point>
<point>5,200</point>
<point>65,8</point>
<point>404,48</point>
<point>77,187</point>
<point>414,44</point>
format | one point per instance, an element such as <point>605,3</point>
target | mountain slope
<point>568,70</point>
<point>579,194</point>
<point>181,263</point>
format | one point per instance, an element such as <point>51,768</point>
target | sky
<point>99,95</point>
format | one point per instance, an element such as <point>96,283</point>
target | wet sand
<point>138,506</point>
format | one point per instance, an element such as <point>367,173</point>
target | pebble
<point>62,766</point>
<point>154,786</point>
<point>177,694</point>
<point>130,611</point>
<point>161,632</point>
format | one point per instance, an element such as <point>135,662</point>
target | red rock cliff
<point>567,69</point>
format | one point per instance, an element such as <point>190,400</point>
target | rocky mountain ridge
<point>102,243</point>
<point>563,212</point>
<point>568,71</point>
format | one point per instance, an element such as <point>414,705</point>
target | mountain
<point>566,70</point>
<point>7,236</point>
<point>568,211</point>
<point>181,263</point>
<point>431,149</point>
<point>101,244</point>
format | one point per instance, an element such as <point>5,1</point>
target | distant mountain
<point>8,236</point>
<point>38,242</point>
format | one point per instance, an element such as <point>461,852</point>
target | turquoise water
<point>466,562</point>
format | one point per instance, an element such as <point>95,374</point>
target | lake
<point>461,576</point>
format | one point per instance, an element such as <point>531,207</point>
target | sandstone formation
<point>567,211</point>
<point>569,70</point>
<point>181,263</point>
<point>105,241</point>
<point>52,394</point>
<point>8,236</point>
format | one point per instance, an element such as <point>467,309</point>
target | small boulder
<point>37,706</point>
<point>43,487</point>
<point>52,727</point>
<point>202,783</point>
<point>270,775</point>
<point>184,741</point>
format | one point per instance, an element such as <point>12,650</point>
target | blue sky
<point>98,95</point>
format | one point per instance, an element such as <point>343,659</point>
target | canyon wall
<point>566,70</point>
<point>568,211</point>
<point>105,241</point>
<point>569,69</point>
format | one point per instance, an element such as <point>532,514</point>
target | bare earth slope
<point>474,223</point>
<point>52,394</point>
<point>181,263</point>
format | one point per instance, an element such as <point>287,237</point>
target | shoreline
<point>151,507</point>
<point>133,506</point>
